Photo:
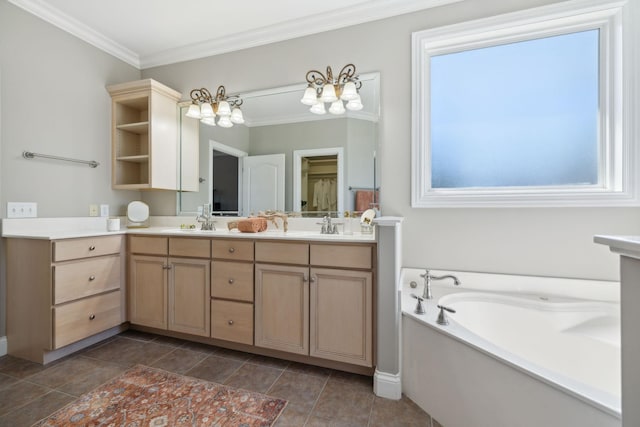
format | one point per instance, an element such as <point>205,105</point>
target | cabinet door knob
<point>92,316</point>
<point>313,279</point>
<point>92,278</point>
<point>92,248</point>
<point>230,322</point>
<point>305,278</point>
<point>231,281</point>
<point>232,250</point>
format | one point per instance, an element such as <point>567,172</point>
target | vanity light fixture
<point>332,90</point>
<point>206,107</point>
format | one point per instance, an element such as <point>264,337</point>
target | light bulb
<point>225,122</point>
<point>349,92</point>
<point>336,107</point>
<point>309,97</point>
<point>355,104</point>
<point>318,108</point>
<point>206,110</point>
<point>328,93</point>
<point>194,111</point>
<point>224,109</point>
<point>236,116</point>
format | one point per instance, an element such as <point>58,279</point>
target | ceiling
<point>148,33</point>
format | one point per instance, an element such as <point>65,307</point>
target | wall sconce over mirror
<point>206,107</point>
<point>333,90</point>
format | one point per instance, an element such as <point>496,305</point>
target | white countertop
<point>70,228</point>
<point>624,245</point>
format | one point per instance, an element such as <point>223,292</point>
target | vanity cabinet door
<point>341,318</point>
<point>189,296</point>
<point>282,308</point>
<point>148,291</point>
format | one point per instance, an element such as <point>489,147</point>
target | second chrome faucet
<point>428,277</point>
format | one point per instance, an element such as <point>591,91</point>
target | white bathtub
<point>519,351</point>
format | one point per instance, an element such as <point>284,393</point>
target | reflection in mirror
<point>276,123</point>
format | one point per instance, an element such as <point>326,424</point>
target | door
<point>148,291</point>
<point>341,319</point>
<point>282,308</point>
<point>189,296</point>
<point>263,183</point>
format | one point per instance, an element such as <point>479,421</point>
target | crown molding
<point>331,20</point>
<point>71,25</point>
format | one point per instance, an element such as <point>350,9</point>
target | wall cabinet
<point>144,136</point>
<point>321,312</point>
<point>167,291</point>
<point>61,292</point>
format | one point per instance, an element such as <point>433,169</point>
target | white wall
<point>54,101</point>
<point>549,242</point>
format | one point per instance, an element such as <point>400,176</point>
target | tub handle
<point>419,308</point>
<point>442,317</point>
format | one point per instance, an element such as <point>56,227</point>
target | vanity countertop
<point>624,245</point>
<point>57,228</point>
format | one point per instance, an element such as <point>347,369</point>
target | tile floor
<point>317,396</point>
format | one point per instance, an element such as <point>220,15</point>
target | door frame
<point>239,154</point>
<point>297,174</point>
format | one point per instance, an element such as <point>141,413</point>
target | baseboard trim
<point>387,385</point>
<point>3,346</point>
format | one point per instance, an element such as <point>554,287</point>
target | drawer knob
<point>232,250</point>
<point>230,322</point>
<point>92,316</point>
<point>231,281</point>
<point>92,278</point>
<point>92,248</point>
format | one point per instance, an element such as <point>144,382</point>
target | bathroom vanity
<point>300,296</point>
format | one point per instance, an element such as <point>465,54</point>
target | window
<point>523,111</point>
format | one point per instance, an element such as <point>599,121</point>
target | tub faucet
<point>428,277</point>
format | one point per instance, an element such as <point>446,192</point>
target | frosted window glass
<point>518,114</point>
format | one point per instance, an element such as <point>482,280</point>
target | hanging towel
<point>364,199</point>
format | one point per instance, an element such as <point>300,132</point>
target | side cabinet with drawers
<point>61,292</point>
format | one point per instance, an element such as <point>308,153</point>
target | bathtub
<point>519,351</point>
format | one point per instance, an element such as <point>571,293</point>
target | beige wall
<point>549,242</point>
<point>54,101</point>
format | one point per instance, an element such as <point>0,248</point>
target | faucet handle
<point>426,273</point>
<point>419,308</point>
<point>442,317</point>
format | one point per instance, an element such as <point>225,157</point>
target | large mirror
<point>283,157</point>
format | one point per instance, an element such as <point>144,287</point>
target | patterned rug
<point>144,396</point>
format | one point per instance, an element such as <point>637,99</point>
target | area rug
<point>144,396</point>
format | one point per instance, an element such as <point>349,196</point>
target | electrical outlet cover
<point>104,210</point>
<point>93,210</point>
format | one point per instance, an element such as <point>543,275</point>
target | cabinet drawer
<point>87,247</point>
<point>232,280</point>
<point>84,278</point>
<point>83,318</point>
<point>232,321</point>
<point>285,253</point>
<point>198,248</point>
<point>342,256</point>
<point>239,250</point>
<point>148,245</point>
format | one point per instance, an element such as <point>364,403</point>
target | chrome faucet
<point>428,277</point>
<point>205,220</point>
<point>328,227</point>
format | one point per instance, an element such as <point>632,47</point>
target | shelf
<point>134,159</point>
<point>137,128</point>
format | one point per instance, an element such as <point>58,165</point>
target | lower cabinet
<point>170,292</point>
<point>282,308</point>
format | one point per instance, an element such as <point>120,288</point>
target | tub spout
<point>428,277</point>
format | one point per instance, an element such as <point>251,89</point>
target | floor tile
<point>294,415</point>
<point>6,381</point>
<point>341,401</point>
<point>137,335</point>
<point>303,368</point>
<point>351,382</point>
<point>63,372</point>
<point>434,423</point>
<point>174,342</point>
<point>271,362</point>
<point>254,377</point>
<point>202,348</point>
<point>129,352</point>
<point>297,388</point>
<point>19,394</point>
<point>103,372</point>
<point>180,360</point>
<point>36,409</point>
<point>216,369</point>
<point>398,413</point>
<point>232,354</point>
<point>19,368</point>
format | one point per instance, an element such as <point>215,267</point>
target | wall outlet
<point>93,210</point>
<point>104,210</point>
<point>22,210</point>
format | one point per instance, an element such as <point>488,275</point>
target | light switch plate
<point>104,210</point>
<point>22,210</point>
